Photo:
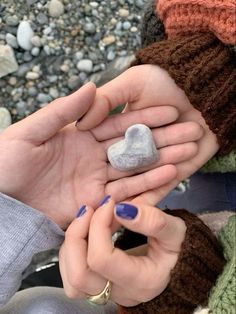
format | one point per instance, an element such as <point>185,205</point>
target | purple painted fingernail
<point>105,200</point>
<point>126,211</point>
<point>81,211</point>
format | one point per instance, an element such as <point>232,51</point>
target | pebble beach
<point>49,48</point>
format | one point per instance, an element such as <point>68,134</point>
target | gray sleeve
<point>24,231</point>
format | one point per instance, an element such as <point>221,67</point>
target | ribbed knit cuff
<point>206,70</point>
<point>200,262</point>
<point>191,16</point>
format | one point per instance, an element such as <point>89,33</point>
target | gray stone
<point>56,8</point>
<point>126,25</point>
<point>44,98</point>
<point>21,107</point>
<point>42,18</point>
<point>32,91</point>
<point>24,35</point>
<point>27,56</point>
<point>111,55</point>
<point>12,20</point>
<point>85,65</point>
<point>11,40</point>
<point>135,151</point>
<point>35,51</point>
<point>8,62</point>
<point>74,82</point>
<point>5,118</point>
<point>90,28</point>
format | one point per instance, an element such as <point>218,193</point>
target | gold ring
<point>103,297</point>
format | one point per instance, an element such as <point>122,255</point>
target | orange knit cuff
<point>183,17</point>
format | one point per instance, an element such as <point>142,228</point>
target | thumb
<point>43,124</point>
<point>152,222</point>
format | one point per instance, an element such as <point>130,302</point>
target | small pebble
<point>56,8</point>
<point>32,75</point>
<point>11,40</point>
<point>24,35</point>
<point>85,65</point>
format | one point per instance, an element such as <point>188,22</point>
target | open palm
<point>146,86</point>
<point>47,163</point>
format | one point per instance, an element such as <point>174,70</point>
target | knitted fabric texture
<point>152,29</point>
<point>205,69</point>
<point>216,221</point>
<point>183,17</point>
<point>200,262</point>
<point>221,164</point>
<point>223,295</point>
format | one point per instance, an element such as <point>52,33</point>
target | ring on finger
<point>102,297</point>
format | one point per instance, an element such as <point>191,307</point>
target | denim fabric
<point>204,192</point>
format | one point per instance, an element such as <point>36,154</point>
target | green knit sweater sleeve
<point>221,163</point>
<point>223,295</point>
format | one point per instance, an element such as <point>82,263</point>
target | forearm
<point>23,232</point>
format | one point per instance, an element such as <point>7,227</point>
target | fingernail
<point>81,211</point>
<point>105,200</point>
<point>126,211</point>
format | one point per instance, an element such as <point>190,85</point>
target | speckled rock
<point>135,151</point>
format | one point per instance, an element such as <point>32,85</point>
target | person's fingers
<point>176,133</point>
<point>207,148</point>
<point>167,155</point>
<point>152,222</point>
<point>141,86</point>
<point>136,274</point>
<point>43,124</point>
<point>127,187</point>
<point>78,279</point>
<point>116,125</point>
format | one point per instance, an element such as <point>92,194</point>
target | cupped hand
<point>148,86</point>
<point>137,276</point>
<point>48,164</point>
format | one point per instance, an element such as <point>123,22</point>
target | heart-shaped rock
<point>135,151</point>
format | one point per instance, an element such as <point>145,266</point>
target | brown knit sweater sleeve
<point>206,70</point>
<point>200,262</point>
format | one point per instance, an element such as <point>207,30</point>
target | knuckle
<point>156,221</point>
<point>195,129</point>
